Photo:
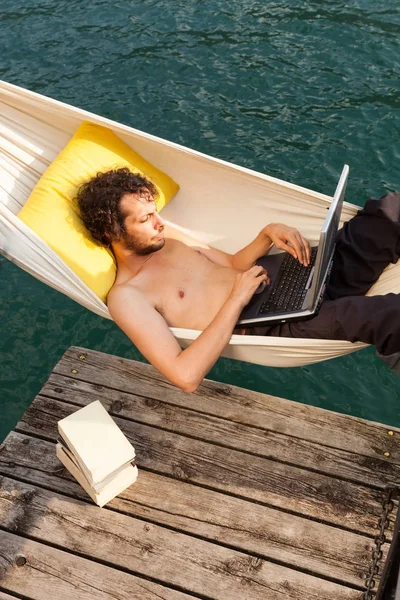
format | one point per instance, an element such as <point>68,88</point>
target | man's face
<point>144,227</point>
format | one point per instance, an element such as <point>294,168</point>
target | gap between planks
<point>236,404</point>
<point>213,516</point>
<point>342,464</point>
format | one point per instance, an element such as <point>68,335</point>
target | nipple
<point>181,294</point>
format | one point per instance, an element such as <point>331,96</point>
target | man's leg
<point>370,319</point>
<point>366,245</point>
<point>392,361</point>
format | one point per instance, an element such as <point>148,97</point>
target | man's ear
<point>108,243</point>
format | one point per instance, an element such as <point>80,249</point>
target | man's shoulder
<point>120,292</point>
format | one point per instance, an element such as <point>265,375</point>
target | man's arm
<point>147,329</point>
<point>283,237</point>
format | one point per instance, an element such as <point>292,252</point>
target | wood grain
<point>303,492</point>
<point>236,404</point>
<point>240,494</point>
<point>342,464</point>
<point>172,558</point>
<point>39,572</point>
<point>263,531</point>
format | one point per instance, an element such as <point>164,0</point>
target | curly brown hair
<point>99,202</point>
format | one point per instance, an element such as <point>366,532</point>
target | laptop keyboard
<point>289,290</point>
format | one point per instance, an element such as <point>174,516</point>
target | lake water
<point>292,89</point>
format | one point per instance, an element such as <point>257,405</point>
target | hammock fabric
<point>220,203</point>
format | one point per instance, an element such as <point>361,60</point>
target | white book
<point>96,442</point>
<point>98,486</point>
<point>116,486</point>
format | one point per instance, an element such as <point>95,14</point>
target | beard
<point>142,248</point>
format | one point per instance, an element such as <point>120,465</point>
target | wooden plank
<point>304,453</point>
<point>231,521</point>
<point>47,573</point>
<point>237,404</point>
<point>179,560</point>
<point>316,496</point>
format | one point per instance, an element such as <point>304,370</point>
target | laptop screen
<point>328,236</point>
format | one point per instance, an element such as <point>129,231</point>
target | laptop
<point>295,292</point>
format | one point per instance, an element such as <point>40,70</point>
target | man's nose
<point>159,222</point>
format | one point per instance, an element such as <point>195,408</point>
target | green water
<point>293,89</point>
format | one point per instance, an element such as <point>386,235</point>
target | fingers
<point>298,247</point>
<point>290,249</point>
<point>297,242</point>
<point>305,251</point>
<point>308,251</point>
<point>290,239</point>
<point>260,273</point>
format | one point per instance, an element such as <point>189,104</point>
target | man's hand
<point>246,284</point>
<point>289,239</point>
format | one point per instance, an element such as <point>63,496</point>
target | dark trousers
<point>365,246</point>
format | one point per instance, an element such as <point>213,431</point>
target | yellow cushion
<point>52,212</point>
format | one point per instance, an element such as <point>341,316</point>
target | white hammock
<point>218,202</point>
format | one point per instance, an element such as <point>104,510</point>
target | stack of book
<point>96,452</point>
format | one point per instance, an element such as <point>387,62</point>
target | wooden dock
<point>240,496</point>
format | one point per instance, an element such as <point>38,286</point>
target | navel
<point>181,294</point>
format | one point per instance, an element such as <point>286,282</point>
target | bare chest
<point>187,288</point>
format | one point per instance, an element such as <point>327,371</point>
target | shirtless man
<point>168,279</point>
